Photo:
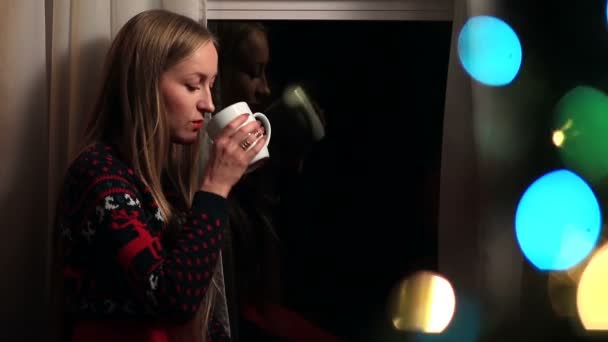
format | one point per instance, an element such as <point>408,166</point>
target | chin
<point>256,108</point>
<point>185,140</point>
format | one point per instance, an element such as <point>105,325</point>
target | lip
<point>197,124</point>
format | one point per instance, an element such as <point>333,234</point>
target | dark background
<point>366,214</point>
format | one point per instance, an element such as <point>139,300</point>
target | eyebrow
<point>201,75</point>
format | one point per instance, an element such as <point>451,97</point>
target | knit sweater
<point>117,262</point>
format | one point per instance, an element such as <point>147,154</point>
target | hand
<point>228,160</point>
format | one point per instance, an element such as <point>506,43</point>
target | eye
<point>257,73</point>
<point>192,88</point>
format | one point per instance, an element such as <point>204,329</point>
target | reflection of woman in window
<point>252,253</point>
<point>243,60</point>
<point>251,256</point>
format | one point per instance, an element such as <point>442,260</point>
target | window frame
<point>375,10</point>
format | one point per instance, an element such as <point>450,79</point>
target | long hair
<point>129,110</point>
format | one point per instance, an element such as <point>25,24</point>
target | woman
<point>140,231</point>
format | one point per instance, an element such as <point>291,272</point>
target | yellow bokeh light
<point>563,285</point>
<point>558,138</point>
<point>559,135</point>
<point>423,302</point>
<point>591,296</point>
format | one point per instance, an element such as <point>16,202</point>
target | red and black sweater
<point>117,265</point>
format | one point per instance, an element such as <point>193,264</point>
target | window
<point>363,211</point>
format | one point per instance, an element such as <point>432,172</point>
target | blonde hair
<point>129,110</point>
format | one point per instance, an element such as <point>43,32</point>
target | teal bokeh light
<point>489,50</point>
<point>558,221</point>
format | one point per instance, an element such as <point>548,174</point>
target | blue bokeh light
<point>489,50</point>
<point>558,221</point>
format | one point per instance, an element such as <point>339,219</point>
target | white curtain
<point>477,248</point>
<point>457,206</point>
<point>50,58</point>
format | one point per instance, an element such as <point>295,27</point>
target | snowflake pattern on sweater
<point>115,262</point>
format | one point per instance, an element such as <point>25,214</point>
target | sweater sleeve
<point>169,283</point>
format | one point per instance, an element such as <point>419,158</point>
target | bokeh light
<point>558,138</point>
<point>582,121</point>
<point>465,325</point>
<point>489,50</point>
<point>592,294</point>
<point>558,221</point>
<point>423,302</point>
<point>562,286</point>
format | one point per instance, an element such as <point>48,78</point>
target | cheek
<point>172,103</point>
<point>246,87</point>
<point>177,105</point>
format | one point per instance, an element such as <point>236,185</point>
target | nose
<point>263,90</point>
<point>205,103</point>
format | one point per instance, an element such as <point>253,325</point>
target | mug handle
<point>266,123</point>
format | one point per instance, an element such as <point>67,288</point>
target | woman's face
<point>186,91</point>
<point>248,79</point>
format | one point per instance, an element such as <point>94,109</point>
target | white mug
<point>226,115</point>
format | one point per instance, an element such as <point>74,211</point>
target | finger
<point>259,145</point>
<point>234,125</point>
<point>262,129</point>
<point>245,129</point>
<point>245,136</point>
